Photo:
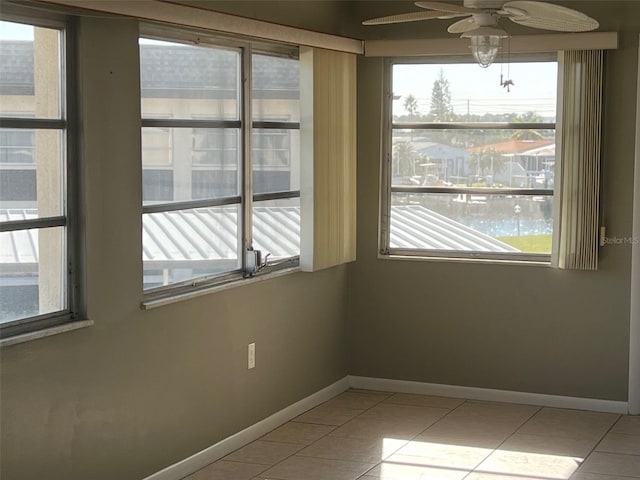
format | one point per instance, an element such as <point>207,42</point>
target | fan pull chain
<point>507,83</point>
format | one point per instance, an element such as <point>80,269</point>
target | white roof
<point>414,226</point>
<point>210,234</point>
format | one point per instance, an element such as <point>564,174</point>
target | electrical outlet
<point>251,356</point>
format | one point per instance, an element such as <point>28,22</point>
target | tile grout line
<point>465,401</point>
<point>593,449</point>
<point>417,434</point>
<point>389,395</point>
<point>533,414</point>
<point>323,436</point>
<point>614,433</point>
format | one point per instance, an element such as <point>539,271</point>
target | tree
<point>411,106</point>
<point>528,117</point>
<point>405,158</point>
<point>486,162</point>
<point>441,109</point>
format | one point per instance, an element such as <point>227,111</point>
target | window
<point>220,160</point>
<point>471,160</point>
<point>37,232</point>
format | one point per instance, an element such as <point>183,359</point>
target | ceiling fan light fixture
<point>485,48</point>
<point>485,44</point>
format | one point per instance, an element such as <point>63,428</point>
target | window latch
<point>254,261</point>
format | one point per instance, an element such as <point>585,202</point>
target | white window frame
<point>74,314</point>
<point>246,199</point>
<point>386,188</point>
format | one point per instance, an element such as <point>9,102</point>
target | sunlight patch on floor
<point>425,460</point>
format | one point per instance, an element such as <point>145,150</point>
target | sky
<point>478,89</point>
<point>15,31</point>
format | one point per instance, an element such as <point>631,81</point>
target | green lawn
<point>529,243</point>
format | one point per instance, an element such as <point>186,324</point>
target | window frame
<point>74,314</point>
<point>246,199</point>
<point>386,171</point>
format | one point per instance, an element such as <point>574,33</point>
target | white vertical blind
<point>579,115</point>
<point>328,157</point>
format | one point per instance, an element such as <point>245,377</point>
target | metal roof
<point>210,234</point>
<point>18,247</point>
<point>439,150</point>
<point>414,226</point>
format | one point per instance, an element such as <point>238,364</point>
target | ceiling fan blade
<point>547,16</point>
<point>446,7</point>
<point>464,25</point>
<point>410,17</point>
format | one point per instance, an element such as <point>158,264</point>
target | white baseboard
<point>215,452</point>
<point>487,394</point>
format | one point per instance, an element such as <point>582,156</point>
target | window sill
<point>159,302</point>
<point>532,261</point>
<point>46,332</point>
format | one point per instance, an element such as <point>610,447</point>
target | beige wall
<point>141,390</point>
<point>531,329</point>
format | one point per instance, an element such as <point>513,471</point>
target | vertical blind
<point>328,170</point>
<point>580,111</point>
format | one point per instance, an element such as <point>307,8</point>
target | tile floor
<point>370,435</point>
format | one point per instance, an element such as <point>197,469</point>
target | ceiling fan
<point>481,25</point>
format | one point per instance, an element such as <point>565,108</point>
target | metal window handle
<point>265,262</point>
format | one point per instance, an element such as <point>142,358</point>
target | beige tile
<point>380,428</point>
<point>266,453</point>
<point>442,455</point>
<point>620,443</point>
<point>357,399</point>
<point>369,450</point>
<point>515,406</point>
<point>596,476</point>
<point>497,476</point>
<point>532,464</point>
<point>464,435</point>
<point>409,413</point>
<point>559,446</point>
<point>222,470</point>
<point>569,423</point>
<point>471,430</point>
<point>498,413</point>
<point>328,415</point>
<point>612,464</point>
<point>299,433</point>
<point>424,400</point>
<point>393,471</point>
<point>628,425</point>
<point>309,468</point>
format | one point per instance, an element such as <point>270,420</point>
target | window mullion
<point>386,167</point>
<point>247,165</point>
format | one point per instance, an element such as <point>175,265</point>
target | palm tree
<point>405,158</point>
<point>487,162</point>
<point>411,106</point>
